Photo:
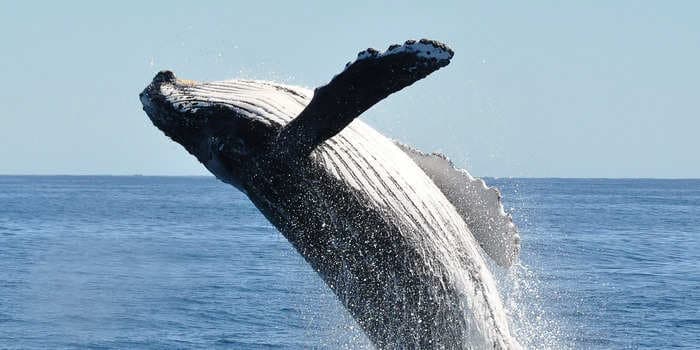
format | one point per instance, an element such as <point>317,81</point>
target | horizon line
<point>487,176</point>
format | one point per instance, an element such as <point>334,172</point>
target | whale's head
<point>223,128</point>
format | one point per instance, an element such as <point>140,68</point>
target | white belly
<point>374,165</point>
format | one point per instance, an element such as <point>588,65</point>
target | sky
<point>536,88</point>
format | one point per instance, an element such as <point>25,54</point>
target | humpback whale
<point>400,236</point>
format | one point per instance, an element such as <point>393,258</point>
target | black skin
<point>360,86</point>
<point>279,188</point>
<point>378,275</point>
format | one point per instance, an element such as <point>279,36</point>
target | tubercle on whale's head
<point>222,138</point>
<point>164,114</point>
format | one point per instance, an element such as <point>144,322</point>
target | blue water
<point>176,262</point>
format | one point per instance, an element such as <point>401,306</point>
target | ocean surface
<point>188,262</point>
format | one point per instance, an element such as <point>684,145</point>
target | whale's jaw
<point>222,136</point>
<point>180,127</point>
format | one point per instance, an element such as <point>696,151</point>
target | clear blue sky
<point>536,88</point>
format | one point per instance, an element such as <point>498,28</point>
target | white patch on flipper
<point>479,205</point>
<point>425,49</point>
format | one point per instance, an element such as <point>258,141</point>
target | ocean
<point>134,262</point>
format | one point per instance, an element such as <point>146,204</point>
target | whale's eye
<point>238,146</point>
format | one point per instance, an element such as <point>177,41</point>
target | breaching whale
<point>399,235</point>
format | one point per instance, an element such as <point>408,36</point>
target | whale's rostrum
<point>400,236</point>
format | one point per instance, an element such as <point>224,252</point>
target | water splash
<point>530,322</point>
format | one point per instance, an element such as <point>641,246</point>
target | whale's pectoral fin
<point>363,83</point>
<point>479,205</point>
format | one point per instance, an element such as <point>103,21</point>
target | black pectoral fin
<point>363,83</point>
